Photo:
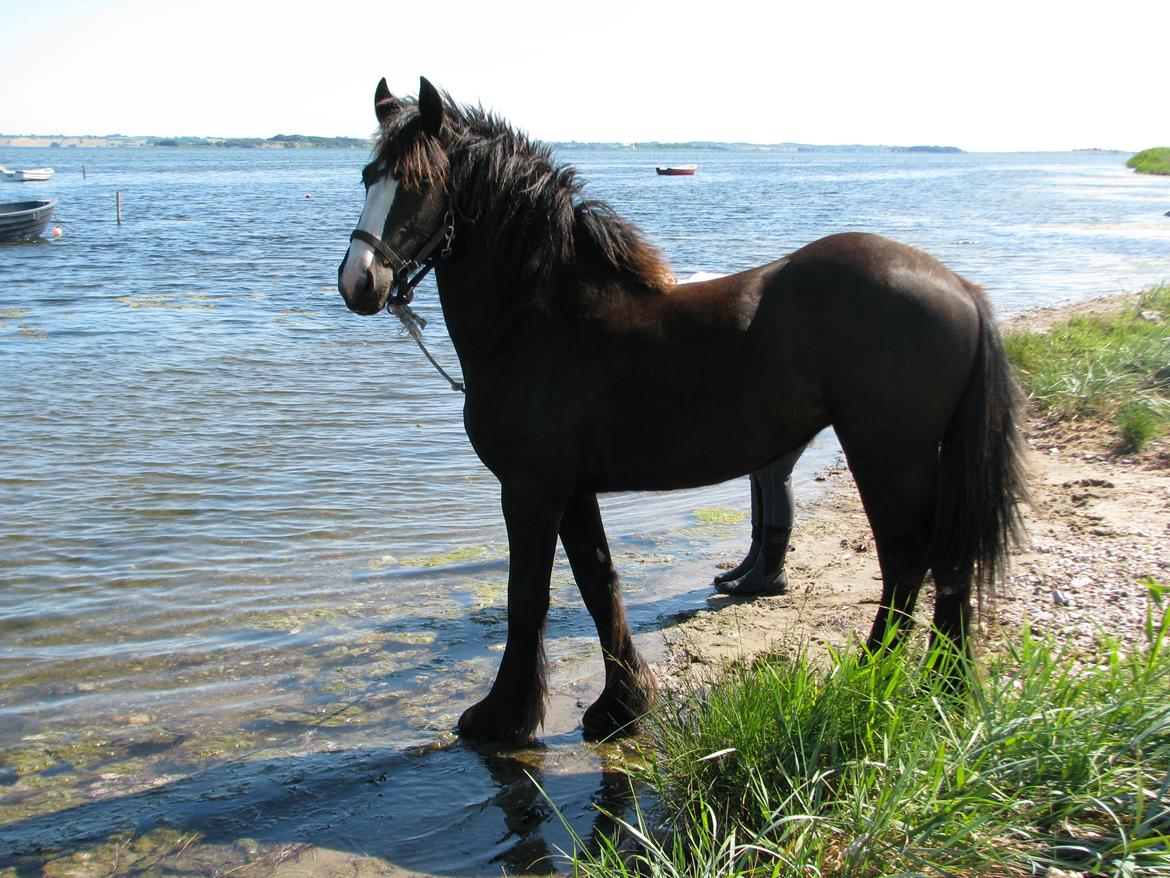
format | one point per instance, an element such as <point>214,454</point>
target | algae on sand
<point>718,515</point>
<point>461,555</point>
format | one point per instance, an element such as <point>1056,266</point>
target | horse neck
<point>482,306</point>
<point>489,308</point>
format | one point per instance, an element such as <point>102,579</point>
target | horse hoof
<point>603,726</point>
<point>482,723</point>
<point>607,719</point>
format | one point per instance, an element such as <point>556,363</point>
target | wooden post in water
<point>84,176</point>
<point>118,197</point>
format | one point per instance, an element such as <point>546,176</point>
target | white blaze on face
<point>379,200</point>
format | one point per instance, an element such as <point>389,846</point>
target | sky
<point>983,75</point>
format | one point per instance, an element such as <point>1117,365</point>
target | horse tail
<point>982,477</point>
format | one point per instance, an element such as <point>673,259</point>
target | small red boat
<point>677,170</point>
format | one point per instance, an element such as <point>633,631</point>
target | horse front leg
<point>514,708</point>
<point>629,685</point>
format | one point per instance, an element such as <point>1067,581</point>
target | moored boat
<point>27,175</point>
<point>677,170</point>
<point>20,220</point>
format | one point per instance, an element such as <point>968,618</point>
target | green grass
<point>871,768</point>
<point>1151,161</point>
<point>1115,368</point>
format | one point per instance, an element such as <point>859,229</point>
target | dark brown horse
<point>588,369</point>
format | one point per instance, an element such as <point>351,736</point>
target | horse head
<point>405,225</point>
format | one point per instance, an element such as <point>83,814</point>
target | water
<point>250,569</point>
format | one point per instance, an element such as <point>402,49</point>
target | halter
<point>398,303</point>
<point>421,263</point>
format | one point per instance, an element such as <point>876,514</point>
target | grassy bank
<point>792,768</point>
<point>1114,367</point>
<point>1151,161</point>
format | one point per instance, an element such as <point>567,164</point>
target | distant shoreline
<point>304,141</point>
<point>118,141</point>
<point>299,141</point>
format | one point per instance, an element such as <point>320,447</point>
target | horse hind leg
<point>629,685</point>
<point>897,492</point>
<point>900,498</point>
<point>950,641</point>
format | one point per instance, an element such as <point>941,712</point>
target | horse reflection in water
<point>588,369</point>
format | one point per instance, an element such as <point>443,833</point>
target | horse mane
<point>532,209</point>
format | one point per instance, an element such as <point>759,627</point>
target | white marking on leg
<point>379,200</point>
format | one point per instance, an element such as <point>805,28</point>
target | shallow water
<point>244,539</point>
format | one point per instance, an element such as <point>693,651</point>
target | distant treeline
<point>286,141</point>
<point>300,141</point>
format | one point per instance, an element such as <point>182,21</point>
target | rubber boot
<point>767,576</point>
<point>748,562</point>
<point>753,552</point>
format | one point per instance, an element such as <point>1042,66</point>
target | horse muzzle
<point>364,284</point>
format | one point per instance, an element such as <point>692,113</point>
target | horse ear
<point>430,107</point>
<point>385,105</point>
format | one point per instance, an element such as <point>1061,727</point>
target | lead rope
<point>414,324</point>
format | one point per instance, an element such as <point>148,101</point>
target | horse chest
<point>511,432</point>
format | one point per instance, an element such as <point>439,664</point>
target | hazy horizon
<point>1003,76</point>
<point>660,144</point>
